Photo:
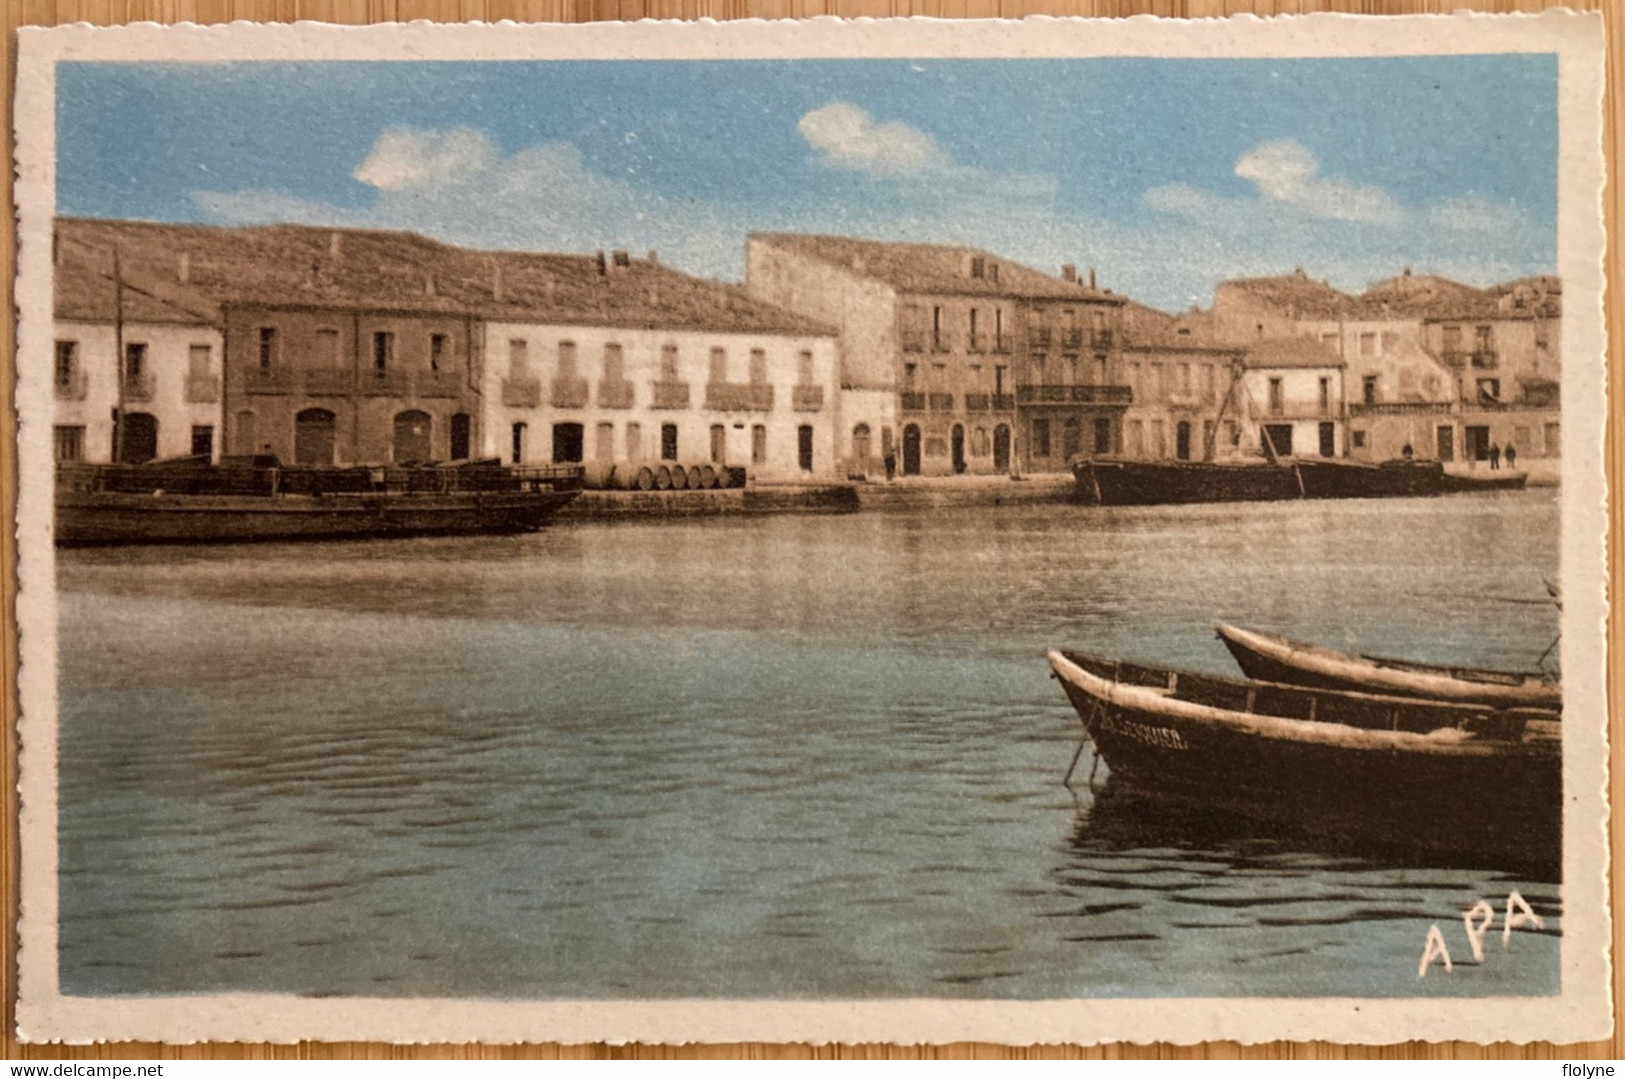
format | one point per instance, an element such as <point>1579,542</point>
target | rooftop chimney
<point>654,258</point>
<point>622,259</point>
<point>1069,271</point>
<point>335,245</point>
<point>496,280</point>
<point>185,271</point>
<point>603,264</point>
<point>1091,277</point>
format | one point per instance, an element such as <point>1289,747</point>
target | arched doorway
<point>911,450</point>
<point>461,436</point>
<point>956,442</point>
<point>1182,440</point>
<point>140,441</point>
<point>860,448</point>
<point>313,437</point>
<point>1001,448</point>
<point>412,429</point>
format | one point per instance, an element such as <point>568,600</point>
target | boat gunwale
<point>1284,650</point>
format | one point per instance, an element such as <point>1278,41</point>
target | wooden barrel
<point>599,476</point>
<point>663,478</point>
<point>696,478</point>
<point>679,477</point>
<point>645,480</point>
<point>708,477</point>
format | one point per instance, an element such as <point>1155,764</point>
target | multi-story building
<point>953,359</point>
<point>1291,400</point>
<point>1184,381</point>
<point>1431,365</point>
<point>343,346</point>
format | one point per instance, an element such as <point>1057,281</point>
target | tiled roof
<point>1407,296</point>
<point>1282,352</point>
<point>307,266</point>
<point>1148,328</point>
<point>85,292</point>
<point>1296,295</point>
<point>939,268</point>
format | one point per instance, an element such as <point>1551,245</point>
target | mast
<point>119,359</point>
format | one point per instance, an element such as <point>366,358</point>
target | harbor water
<point>808,757</point>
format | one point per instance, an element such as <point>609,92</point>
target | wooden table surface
<point>49,12</point>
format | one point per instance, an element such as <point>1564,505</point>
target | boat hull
<point>1354,479</point>
<point>1271,658</point>
<point>1493,800</point>
<point>101,518</point>
<point>1113,482</point>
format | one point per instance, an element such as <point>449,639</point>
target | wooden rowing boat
<point>1470,780</point>
<point>1273,658</point>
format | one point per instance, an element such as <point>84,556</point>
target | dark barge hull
<point>1354,479</point>
<point>1505,481</point>
<point>1269,657</point>
<point>1482,798</point>
<point>1116,482</point>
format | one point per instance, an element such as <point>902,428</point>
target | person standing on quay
<point>1512,456</point>
<point>1495,456</point>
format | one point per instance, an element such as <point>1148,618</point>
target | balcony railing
<point>911,401</point>
<point>139,386</point>
<point>976,342</point>
<point>1049,394</point>
<point>437,384</point>
<point>1483,359</point>
<point>1400,408</point>
<point>1039,337</point>
<point>266,380</point>
<point>521,392</point>
<point>942,342</point>
<point>70,386</point>
<point>1486,360</point>
<point>940,402</point>
<point>202,389</point>
<point>978,402</point>
<point>739,396</point>
<point>1004,402</point>
<point>376,383</point>
<point>568,392</point>
<point>329,382</point>
<point>669,394</point>
<point>913,342</point>
<point>806,398</point>
<point>615,393</point>
<point>1071,338</point>
<point>1100,339</point>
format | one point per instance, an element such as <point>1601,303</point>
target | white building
<point>1291,395</point>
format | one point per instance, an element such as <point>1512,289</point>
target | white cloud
<point>405,158</point>
<point>848,137</point>
<point>1285,171</point>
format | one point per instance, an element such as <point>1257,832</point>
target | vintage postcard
<point>863,531</point>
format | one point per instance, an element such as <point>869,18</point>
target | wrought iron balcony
<point>806,398</point>
<point>202,389</point>
<point>1071,338</point>
<point>1400,408</point>
<point>1485,360</point>
<point>940,402</point>
<point>70,385</point>
<point>329,382</point>
<point>267,380</point>
<point>978,402</point>
<point>376,383</point>
<point>1039,337</point>
<point>1004,402</point>
<point>669,394</point>
<point>568,392</point>
<point>911,401</point>
<point>615,393</point>
<point>437,384</point>
<point>1052,394</point>
<point>1101,339</point>
<point>739,396</point>
<point>521,392</point>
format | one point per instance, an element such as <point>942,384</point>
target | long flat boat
<point>1273,658</point>
<point>1117,481</point>
<point>250,500</point>
<point>1467,780</point>
<point>1327,478</point>
<point>1499,480</point>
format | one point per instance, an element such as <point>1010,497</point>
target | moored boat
<point>1120,481</point>
<point>1420,775</point>
<point>254,499</point>
<point>1322,477</point>
<point>1498,480</point>
<point>1273,658</point>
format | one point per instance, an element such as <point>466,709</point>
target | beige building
<point>952,359</point>
<point>1184,382</point>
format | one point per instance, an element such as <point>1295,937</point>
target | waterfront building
<point>952,359</point>
<point>1290,400</point>
<point>352,346</point>
<point>1432,364</point>
<point>1184,381</point>
<point>163,399</point>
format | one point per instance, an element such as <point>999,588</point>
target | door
<point>1103,434</point>
<point>911,450</point>
<point>1328,439</point>
<point>1001,448</point>
<point>1478,443</point>
<point>1279,437</point>
<point>412,437</point>
<point>1182,440</point>
<point>957,446</point>
<point>1445,438</point>
<point>1071,439</point>
<point>313,437</point>
<point>568,445</point>
<point>804,448</point>
<point>461,436</point>
<point>203,441</point>
<point>860,448</point>
<point>140,438</point>
<point>719,444</point>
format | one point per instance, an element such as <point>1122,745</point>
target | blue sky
<point>1165,175</point>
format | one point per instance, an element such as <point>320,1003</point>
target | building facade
<point>953,360</point>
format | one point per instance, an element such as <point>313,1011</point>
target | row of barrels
<point>662,477</point>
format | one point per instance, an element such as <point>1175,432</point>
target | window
<point>1134,380</point>
<point>1135,438</point>
<point>67,369</point>
<point>804,367</point>
<point>1329,340</point>
<point>461,436</point>
<point>518,443</point>
<point>937,341</point>
<point>1325,395</point>
<point>1359,439</point>
<point>614,363</point>
<point>1185,378</point>
<point>804,447</point>
<point>70,443</point>
<point>199,359</point>
<point>1489,389</point>
<point>1368,344</point>
<point>438,347</point>
<point>758,444</point>
<point>668,363</point>
<point>203,440</point>
<point>603,448</point>
<point>567,359</point>
<point>1103,435</point>
<point>383,351</point>
<point>719,444</point>
<point>719,365</point>
<point>1368,389</point>
<point>135,361</point>
<point>668,442</point>
<point>975,338</point>
<point>910,372</point>
<point>567,443</point>
<point>1390,342</point>
<point>758,366</point>
<point>1208,386</point>
<point>634,442</point>
<point>1277,397</point>
<point>999,371</point>
<point>268,350</point>
<point>518,358</point>
<point>1452,339</point>
<point>998,328</point>
<point>1159,439</point>
<point>327,348</point>
<point>978,268</point>
<point>1484,338</point>
<point>1040,438</point>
